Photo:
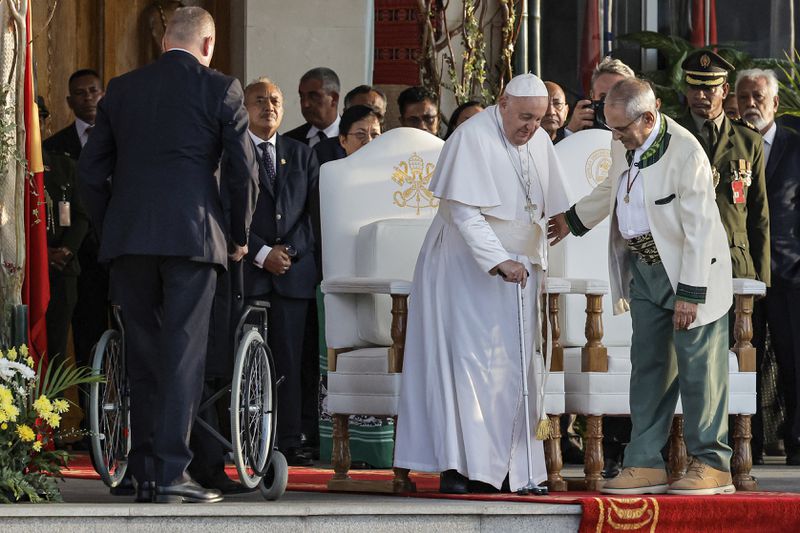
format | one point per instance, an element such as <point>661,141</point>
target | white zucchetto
<point>526,85</point>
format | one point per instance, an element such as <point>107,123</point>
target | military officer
<point>736,153</point>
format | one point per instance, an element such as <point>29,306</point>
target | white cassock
<point>461,402</point>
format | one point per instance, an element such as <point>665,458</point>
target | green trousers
<point>665,363</point>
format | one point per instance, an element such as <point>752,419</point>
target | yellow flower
<point>60,406</point>
<point>6,397</point>
<point>37,446</point>
<point>43,406</point>
<point>3,417</point>
<point>4,426</point>
<point>25,433</point>
<point>23,350</point>
<point>52,419</point>
<point>30,361</point>
<point>11,354</point>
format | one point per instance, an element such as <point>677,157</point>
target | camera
<point>599,108</point>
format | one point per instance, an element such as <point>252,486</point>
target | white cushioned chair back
<point>586,159</point>
<point>385,249</point>
<point>386,179</point>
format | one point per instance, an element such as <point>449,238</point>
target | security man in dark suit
<point>280,265</point>
<point>148,178</point>
<point>90,318</point>
<point>757,97</point>
<point>67,224</point>
<point>319,103</point>
<point>737,162</point>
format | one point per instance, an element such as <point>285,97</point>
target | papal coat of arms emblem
<point>413,177</point>
<point>597,165</point>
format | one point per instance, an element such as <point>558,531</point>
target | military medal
<point>64,218</point>
<point>742,175</point>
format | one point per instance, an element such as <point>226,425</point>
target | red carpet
<point>740,512</point>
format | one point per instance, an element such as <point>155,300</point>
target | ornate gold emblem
<point>413,177</point>
<point>705,61</point>
<point>628,514</point>
<point>597,165</point>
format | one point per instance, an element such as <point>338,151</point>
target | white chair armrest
<point>557,286</point>
<point>365,286</point>
<point>588,286</point>
<point>749,286</point>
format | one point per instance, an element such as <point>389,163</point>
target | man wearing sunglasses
<point>670,267</point>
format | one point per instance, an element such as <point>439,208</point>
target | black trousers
<point>783,319</point>
<point>309,376</point>
<point>287,323</point>
<point>166,305</point>
<point>63,295</point>
<point>91,315</point>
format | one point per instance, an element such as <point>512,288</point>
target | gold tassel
<point>544,430</point>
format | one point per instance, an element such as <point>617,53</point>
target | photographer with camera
<point>588,114</point>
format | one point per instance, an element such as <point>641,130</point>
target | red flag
<point>36,286</point>
<point>590,45</point>
<point>698,38</point>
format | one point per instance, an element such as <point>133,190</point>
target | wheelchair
<point>253,407</point>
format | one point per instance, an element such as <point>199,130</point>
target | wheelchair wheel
<point>253,409</point>
<point>109,417</point>
<point>274,482</point>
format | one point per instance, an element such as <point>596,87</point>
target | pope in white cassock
<point>461,408</point>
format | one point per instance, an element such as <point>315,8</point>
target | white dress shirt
<point>632,215</point>
<point>330,131</point>
<point>769,138</point>
<point>262,254</point>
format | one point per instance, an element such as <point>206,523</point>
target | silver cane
<point>531,487</point>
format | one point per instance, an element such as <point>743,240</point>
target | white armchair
<point>375,210</point>
<point>597,344</point>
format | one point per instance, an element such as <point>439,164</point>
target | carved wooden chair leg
<point>678,459</point>
<point>552,457</point>
<point>401,481</point>
<point>742,460</point>
<point>340,456</point>
<point>593,457</point>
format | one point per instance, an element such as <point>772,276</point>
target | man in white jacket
<point>461,410</point>
<point>670,266</point>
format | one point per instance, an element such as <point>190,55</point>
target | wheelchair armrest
<point>362,285</point>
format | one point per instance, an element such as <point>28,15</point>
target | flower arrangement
<point>30,415</point>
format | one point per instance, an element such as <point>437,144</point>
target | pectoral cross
<point>530,208</point>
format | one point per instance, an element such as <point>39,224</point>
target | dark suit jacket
<point>299,133</point>
<point>283,217</point>
<point>329,150</point>
<point>160,133</point>
<point>61,184</point>
<point>783,191</point>
<point>747,224</point>
<point>64,141</point>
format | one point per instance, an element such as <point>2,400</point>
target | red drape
<point>590,44</point>
<point>698,37</point>
<point>36,286</point>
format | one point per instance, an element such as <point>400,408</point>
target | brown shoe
<point>701,480</point>
<point>637,480</point>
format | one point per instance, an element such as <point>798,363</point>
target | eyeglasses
<point>558,105</point>
<point>416,121</point>
<point>621,130</point>
<point>364,136</point>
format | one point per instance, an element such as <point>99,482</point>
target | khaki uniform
<point>746,223</point>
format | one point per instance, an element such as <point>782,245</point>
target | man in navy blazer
<point>280,265</point>
<point>147,176</point>
<point>757,96</point>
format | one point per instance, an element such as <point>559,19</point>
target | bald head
<point>191,28</point>
<point>634,95</point>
